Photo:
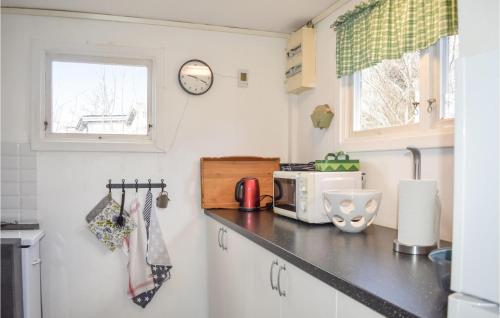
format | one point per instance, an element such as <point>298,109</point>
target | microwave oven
<point>299,194</point>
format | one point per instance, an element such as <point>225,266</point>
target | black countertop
<point>362,266</point>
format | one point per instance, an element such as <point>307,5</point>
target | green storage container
<point>336,163</point>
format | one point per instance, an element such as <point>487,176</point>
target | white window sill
<point>436,138</point>
<point>96,145</point>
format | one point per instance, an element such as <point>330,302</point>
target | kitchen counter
<point>27,237</point>
<point>362,266</point>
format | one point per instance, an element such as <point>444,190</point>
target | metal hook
<point>136,185</point>
<point>149,181</point>
<point>123,185</point>
<point>163,185</point>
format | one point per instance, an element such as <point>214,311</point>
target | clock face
<point>195,77</point>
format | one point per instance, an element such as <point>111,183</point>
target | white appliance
<point>31,261</point>
<point>299,194</point>
<point>475,278</point>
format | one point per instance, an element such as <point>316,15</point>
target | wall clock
<point>196,77</point>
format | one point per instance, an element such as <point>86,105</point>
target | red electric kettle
<point>247,193</point>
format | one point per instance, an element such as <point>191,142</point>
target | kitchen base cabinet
<point>228,264</point>
<point>263,295</point>
<point>304,295</point>
<point>349,308</point>
<point>245,281</point>
<point>215,273</point>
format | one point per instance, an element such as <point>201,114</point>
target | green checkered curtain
<point>386,29</point>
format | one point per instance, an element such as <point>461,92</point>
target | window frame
<point>43,139</point>
<point>430,132</point>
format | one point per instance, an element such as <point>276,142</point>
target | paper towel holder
<point>414,249</point>
<point>417,162</point>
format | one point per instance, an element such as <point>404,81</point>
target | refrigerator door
<point>462,306</point>
<point>475,265</point>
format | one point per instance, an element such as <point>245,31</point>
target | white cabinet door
<point>302,295</point>
<point>215,270</point>
<point>228,272</point>
<point>237,273</point>
<point>263,300</point>
<point>349,308</point>
<point>31,281</point>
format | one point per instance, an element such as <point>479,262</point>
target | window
<point>449,55</point>
<point>404,101</point>
<point>385,94</point>
<point>97,98</point>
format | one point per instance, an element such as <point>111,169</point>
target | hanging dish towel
<point>157,255</point>
<point>140,275</point>
<point>102,222</point>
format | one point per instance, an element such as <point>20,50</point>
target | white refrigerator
<point>475,279</point>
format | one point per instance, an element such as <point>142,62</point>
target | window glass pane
<point>90,98</point>
<point>385,92</point>
<point>449,58</point>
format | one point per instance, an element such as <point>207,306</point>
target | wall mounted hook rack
<point>136,185</point>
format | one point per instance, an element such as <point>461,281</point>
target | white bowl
<point>352,210</point>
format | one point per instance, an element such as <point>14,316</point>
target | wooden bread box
<point>219,177</point>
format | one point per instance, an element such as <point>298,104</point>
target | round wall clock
<point>196,77</point>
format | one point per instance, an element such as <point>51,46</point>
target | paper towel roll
<point>419,212</point>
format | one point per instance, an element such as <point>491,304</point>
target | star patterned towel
<point>157,255</point>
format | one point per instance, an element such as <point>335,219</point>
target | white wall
<point>80,277</point>
<point>384,168</point>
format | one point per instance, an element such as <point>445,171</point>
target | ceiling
<point>266,15</point>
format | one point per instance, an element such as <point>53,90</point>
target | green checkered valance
<point>385,29</point>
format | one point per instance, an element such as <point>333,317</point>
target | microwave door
<point>285,194</point>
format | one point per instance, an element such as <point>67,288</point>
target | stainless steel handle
<point>281,292</point>
<point>417,162</point>
<point>218,237</point>
<point>224,247</point>
<point>36,261</point>
<point>274,263</point>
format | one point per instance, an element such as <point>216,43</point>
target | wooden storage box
<point>219,177</point>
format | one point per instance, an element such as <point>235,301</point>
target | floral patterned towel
<point>102,222</point>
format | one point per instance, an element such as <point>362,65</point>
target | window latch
<point>415,107</point>
<point>430,102</point>
<point>45,125</point>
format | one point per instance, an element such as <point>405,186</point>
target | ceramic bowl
<point>352,210</point>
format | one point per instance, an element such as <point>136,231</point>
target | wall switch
<point>242,78</point>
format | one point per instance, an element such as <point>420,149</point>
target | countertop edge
<point>364,297</point>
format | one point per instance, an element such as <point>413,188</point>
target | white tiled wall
<point>18,183</point>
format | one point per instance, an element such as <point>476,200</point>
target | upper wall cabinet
<point>301,61</point>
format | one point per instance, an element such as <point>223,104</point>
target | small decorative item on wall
<point>322,116</point>
<point>196,77</point>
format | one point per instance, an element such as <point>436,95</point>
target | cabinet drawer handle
<point>36,261</point>
<point>218,237</point>
<point>281,292</point>
<point>224,247</point>
<point>274,263</point>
